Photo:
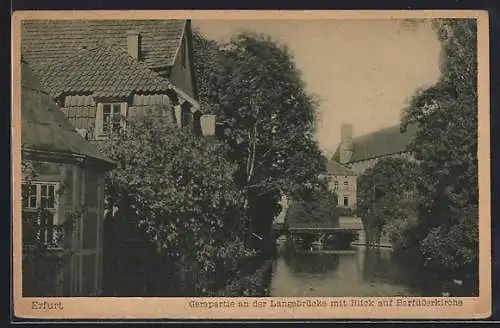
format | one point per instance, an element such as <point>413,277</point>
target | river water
<point>359,272</point>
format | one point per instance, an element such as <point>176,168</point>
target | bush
<point>177,190</point>
<point>255,284</point>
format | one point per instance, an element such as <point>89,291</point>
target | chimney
<point>133,44</point>
<point>208,125</point>
<point>346,147</point>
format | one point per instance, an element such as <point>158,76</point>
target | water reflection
<point>360,272</point>
<point>305,263</point>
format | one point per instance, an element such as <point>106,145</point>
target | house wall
<point>182,77</point>
<point>140,104</point>
<point>88,245</point>
<point>80,196</point>
<point>81,109</point>
<point>53,172</point>
<point>342,191</point>
<point>62,174</point>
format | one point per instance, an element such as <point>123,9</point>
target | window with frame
<point>40,213</point>
<point>346,201</point>
<point>335,185</point>
<point>346,184</point>
<point>110,118</point>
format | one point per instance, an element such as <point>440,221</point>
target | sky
<point>362,71</point>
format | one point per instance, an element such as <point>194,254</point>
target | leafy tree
<point>254,86</point>
<point>446,146</point>
<point>206,54</point>
<point>321,207</point>
<point>385,195</point>
<point>179,191</point>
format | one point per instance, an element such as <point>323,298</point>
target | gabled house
<point>101,71</point>
<point>64,183</point>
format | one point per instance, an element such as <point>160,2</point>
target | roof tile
<point>381,143</point>
<point>45,42</point>
<point>103,71</point>
<point>44,125</point>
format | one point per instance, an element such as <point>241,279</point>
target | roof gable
<point>103,71</point>
<point>381,143</point>
<point>44,42</point>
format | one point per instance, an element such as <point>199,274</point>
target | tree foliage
<point>320,207</point>
<point>255,88</point>
<point>386,195</point>
<point>446,146</point>
<point>179,190</point>
<point>206,55</point>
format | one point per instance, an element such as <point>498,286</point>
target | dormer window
<point>110,119</point>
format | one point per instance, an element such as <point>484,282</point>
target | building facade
<point>63,186</point>
<point>363,152</point>
<point>99,74</point>
<point>342,182</point>
<point>102,72</point>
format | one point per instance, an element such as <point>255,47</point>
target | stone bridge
<point>339,235</point>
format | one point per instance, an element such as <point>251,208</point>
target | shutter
<point>98,121</point>
<point>123,112</point>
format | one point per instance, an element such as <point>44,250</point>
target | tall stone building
<point>357,154</point>
<point>342,182</point>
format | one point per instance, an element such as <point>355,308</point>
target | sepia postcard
<point>251,165</point>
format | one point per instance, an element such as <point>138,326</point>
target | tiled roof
<point>103,71</point>
<point>335,168</point>
<point>44,126</point>
<point>381,143</point>
<point>45,42</point>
